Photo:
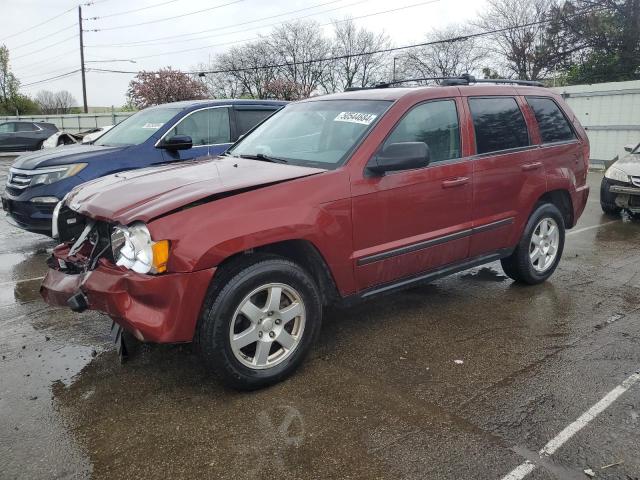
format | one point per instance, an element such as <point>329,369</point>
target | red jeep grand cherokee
<point>332,199</point>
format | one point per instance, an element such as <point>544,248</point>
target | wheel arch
<point>562,200</point>
<point>299,251</point>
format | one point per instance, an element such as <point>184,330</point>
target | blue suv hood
<point>63,156</point>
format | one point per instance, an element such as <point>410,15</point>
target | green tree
<point>602,38</point>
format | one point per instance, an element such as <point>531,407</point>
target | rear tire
<point>257,327</point>
<point>539,251</point>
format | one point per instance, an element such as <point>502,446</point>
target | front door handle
<point>455,182</point>
<point>527,167</point>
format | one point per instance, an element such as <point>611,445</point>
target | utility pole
<point>84,82</point>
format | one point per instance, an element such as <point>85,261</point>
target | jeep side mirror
<point>629,148</point>
<point>400,156</point>
<point>177,142</point>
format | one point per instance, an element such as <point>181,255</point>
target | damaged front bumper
<point>161,308</point>
<point>626,197</point>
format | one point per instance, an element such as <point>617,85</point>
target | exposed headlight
<point>134,249</point>
<point>53,174</point>
<point>614,173</point>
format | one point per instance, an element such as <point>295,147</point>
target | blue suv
<point>167,133</point>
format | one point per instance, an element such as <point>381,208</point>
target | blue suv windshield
<point>138,127</point>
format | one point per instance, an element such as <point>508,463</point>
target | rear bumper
<point>160,309</point>
<point>579,199</point>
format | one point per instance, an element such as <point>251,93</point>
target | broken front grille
<point>87,240</point>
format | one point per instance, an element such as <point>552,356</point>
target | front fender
<point>204,236</point>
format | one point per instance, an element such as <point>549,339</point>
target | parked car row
<point>21,136</point>
<point>167,133</point>
<point>331,200</point>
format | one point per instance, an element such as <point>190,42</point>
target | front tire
<point>608,199</point>
<point>539,251</point>
<point>257,328</point>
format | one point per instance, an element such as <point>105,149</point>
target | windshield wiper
<point>264,158</point>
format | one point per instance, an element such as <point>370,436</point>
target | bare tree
<point>356,67</point>
<point>297,46</point>
<point>445,58</point>
<point>55,102</point>
<point>46,100</point>
<point>247,69</point>
<point>524,44</point>
<point>65,101</point>
<point>219,85</point>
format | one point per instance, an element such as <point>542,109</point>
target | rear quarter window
<point>498,123</point>
<point>247,119</point>
<point>552,123</point>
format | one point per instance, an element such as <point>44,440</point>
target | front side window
<point>552,123</point>
<point>317,133</point>
<point>498,124</point>
<point>434,123</point>
<point>205,127</point>
<point>138,127</point>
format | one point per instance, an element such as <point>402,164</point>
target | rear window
<point>498,123</point>
<point>553,125</point>
<point>26,127</point>
<point>247,119</point>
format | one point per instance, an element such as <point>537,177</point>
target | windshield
<point>137,128</point>
<point>319,133</point>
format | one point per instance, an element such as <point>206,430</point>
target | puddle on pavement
<point>485,274</point>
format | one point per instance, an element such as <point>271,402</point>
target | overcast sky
<point>53,49</point>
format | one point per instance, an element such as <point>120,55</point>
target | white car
<point>620,188</point>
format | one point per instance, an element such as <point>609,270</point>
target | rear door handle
<point>527,167</point>
<point>455,182</point>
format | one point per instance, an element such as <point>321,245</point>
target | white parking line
<point>555,443</point>
<point>14,282</point>
<point>584,229</point>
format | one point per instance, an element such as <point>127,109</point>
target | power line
<point>45,48</point>
<point>40,74</point>
<point>165,19</point>
<point>252,28</point>
<point>131,11</point>
<point>48,61</point>
<point>51,78</point>
<point>224,27</point>
<point>373,52</point>
<point>44,37</point>
<point>37,25</point>
<point>339,21</point>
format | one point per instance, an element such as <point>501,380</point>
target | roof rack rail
<point>464,79</point>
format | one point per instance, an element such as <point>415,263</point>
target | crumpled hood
<point>148,193</point>
<point>62,156</point>
<point>629,164</point>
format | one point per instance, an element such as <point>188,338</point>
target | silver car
<point>620,188</point>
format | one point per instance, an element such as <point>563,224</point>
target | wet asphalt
<point>464,378</point>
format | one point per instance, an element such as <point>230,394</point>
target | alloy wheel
<point>267,326</point>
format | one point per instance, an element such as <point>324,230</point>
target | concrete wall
<point>75,123</point>
<point>610,112</point>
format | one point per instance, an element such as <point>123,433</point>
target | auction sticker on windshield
<point>355,117</point>
<point>153,126</point>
